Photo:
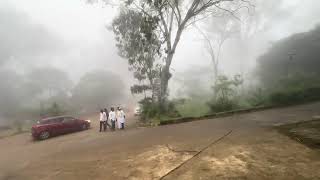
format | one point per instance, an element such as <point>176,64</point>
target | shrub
<point>151,110</point>
<point>193,107</point>
<point>293,96</point>
<point>223,105</point>
<point>225,98</point>
<point>258,98</point>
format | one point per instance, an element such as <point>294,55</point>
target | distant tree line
<point>289,72</point>
<point>49,91</point>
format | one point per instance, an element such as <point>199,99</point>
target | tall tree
<point>137,42</point>
<point>215,37</point>
<point>172,17</point>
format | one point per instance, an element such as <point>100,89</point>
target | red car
<point>54,126</point>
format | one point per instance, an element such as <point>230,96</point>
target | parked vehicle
<point>54,126</point>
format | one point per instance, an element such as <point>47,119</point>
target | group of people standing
<point>114,116</point>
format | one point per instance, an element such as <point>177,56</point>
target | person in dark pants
<point>107,118</point>
<point>112,117</point>
<point>104,120</point>
<point>101,120</point>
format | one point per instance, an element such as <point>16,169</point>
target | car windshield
<point>50,121</point>
<point>68,119</point>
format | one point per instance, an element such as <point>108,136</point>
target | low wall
<point>217,115</point>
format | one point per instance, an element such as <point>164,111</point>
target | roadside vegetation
<point>288,79</point>
<point>148,32</point>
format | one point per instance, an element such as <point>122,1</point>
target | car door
<point>57,126</point>
<point>70,124</point>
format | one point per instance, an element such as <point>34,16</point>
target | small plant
<point>225,94</point>
<point>258,98</point>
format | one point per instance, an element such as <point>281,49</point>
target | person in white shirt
<point>105,117</point>
<point>112,117</point>
<point>102,120</point>
<point>118,114</point>
<point>121,118</point>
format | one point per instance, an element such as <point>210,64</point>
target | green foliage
<point>138,43</point>
<point>135,36</point>
<point>223,105</point>
<point>258,97</point>
<point>148,109</point>
<point>297,54</point>
<point>152,111</point>
<point>225,98</point>
<point>296,95</point>
<point>138,89</point>
<point>290,71</point>
<point>193,107</point>
<point>297,88</point>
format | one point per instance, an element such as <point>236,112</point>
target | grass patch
<point>193,108</point>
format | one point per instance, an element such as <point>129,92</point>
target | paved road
<point>254,150</point>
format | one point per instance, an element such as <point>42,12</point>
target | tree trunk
<point>165,76</point>
<point>165,73</point>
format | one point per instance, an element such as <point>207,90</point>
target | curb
<point>213,116</point>
<point>225,114</point>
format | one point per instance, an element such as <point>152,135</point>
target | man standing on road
<point>101,119</point>
<point>118,114</point>
<point>112,117</point>
<point>121,118</point>
<point>107,118</point>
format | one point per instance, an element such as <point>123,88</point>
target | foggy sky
<point>72,35</point>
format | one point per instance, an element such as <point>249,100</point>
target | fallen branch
<point>195,155</point>
<point>180,151</point>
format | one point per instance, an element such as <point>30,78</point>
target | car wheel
<point>84,127</point>
<point>44,135</point>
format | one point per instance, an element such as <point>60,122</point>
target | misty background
<point>62,51</point>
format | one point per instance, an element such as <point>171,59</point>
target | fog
<point>70,39</point>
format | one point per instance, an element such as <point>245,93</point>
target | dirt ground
<point>306,132</point>
<point>254,150</point>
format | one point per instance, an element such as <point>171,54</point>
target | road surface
<point>254,150</point>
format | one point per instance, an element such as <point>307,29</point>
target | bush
<point>193,107</point>
<point>258,98</point>
<point>223,105</point>
<point>293,96</point>
<point>225,90</point>
<point>148,109</point>
<point>151,110</point>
